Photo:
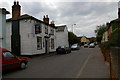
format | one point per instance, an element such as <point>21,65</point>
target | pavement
<point>95,66</point>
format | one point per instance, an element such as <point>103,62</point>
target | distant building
<point>62,35</point>
<point>3,13</point>
<point>84,40</point>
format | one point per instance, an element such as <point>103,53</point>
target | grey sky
<point>86,15</point>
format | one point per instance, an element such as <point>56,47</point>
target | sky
<point>80,16</point>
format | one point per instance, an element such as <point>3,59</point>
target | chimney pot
<point>46,16</point>
<point>17,3</point>
<point>14,2</point>
<point>46,19</point>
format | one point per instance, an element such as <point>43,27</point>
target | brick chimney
<point>16,10</point>
<point>52,23</point>
<point>46,19</point>
<point>119,9</point>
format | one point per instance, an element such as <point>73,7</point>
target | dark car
<point>63,49</point>
<point>75,47</point>
<point>11,61</point>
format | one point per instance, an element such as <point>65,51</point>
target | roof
<point>60,28</point>
<point>116,20</point>
<point>26,16</point>
<point>4,11</point>
<point>79,37</point>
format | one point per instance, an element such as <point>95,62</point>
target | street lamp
<point>73,26</point>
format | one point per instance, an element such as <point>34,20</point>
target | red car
<point>9,60</point>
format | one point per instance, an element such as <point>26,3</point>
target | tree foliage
<point>72,38</point>
<point>99,32</point>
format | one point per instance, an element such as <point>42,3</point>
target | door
<point>9,61</point>
<point>47,45</point>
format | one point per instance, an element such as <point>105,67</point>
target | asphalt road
<point>72,65</point>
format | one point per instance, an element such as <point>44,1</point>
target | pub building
<point>27,35</point>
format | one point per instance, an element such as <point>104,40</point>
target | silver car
<point>75,47</point>
<point>92,45</point>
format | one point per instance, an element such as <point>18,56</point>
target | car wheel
<point>22,65</point>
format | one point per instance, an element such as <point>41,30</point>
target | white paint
<point>3,28</point>
<point>62,38</point>
<point>29,38</point>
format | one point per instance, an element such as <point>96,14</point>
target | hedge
<point>114,39</point>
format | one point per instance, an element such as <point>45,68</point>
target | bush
<point>106,45</point>
<point>114,38</point>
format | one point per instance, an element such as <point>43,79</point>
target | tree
<point>99,32</point>
<point>72,38</point>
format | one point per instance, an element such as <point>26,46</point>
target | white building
<point>27,35</point>
<point>62,36</point>
<point>3,13</point>
<point>36,37</point>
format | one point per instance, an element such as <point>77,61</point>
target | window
<point>52,43</point>
<point>52,31</point>
<point>46,30</point>
<point>39,43</point>
<point>8,55</point>
<point>38,29</point>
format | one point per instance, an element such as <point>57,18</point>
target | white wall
<point>8,35</point>
<point>62,38</point>
<point>29,38</point>
<point>2,28</point>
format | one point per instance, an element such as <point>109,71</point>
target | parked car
<point>85,45</point>
<point>92,45</point>
<point>63,49</point>
<point>75,47</point>
<point>10,60</point>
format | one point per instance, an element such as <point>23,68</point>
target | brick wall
<point>115,61</point>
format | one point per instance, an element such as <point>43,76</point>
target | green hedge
<point>106,45</point>
<point>114,39</point>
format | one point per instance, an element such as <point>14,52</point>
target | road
<point>83,63</point>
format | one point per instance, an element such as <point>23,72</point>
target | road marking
<point>81,70</point>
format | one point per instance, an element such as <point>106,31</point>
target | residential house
<point>112,25</point>
<point>109,28</point>
<point>3,13</point>
<point>62,35</point>
<point>27,35</point>
<point>84,40</point>
<point>106,33</point>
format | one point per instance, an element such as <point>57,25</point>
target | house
<point>84,40</point>
<point>27,35</point>
<point>3,13</point>
<point>106,33</point>
<point>62,35</point>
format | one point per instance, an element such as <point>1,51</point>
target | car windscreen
<point>61,47</point>
<point>74,45</point>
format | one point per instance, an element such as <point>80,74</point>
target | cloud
<point>86,15</point>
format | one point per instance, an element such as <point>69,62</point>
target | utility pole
<point>73,27</point>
